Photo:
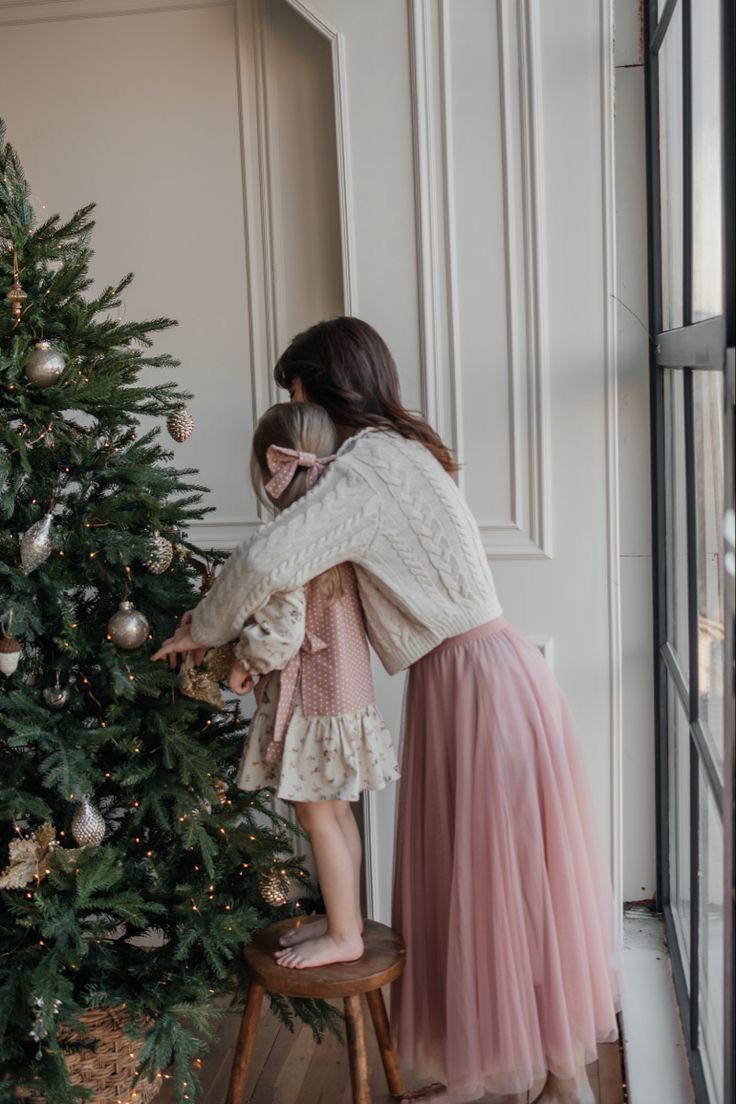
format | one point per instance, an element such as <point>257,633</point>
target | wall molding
<point>342,136</point>
<point>527,533</point>
<point>16,13</point>
<point>613,529</point>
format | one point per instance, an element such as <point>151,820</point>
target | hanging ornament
<point>274,888</point>
<point>44,365</point>
<point>88,824</point>
<point>27,857</point>
<point>221,788</point>
<point>35,544</point>
<point>160,554</point>
<point>127,628</point>
<point>198,683</point>
<point>57,697</point>
<point>219,662</point>
<point>180,424</point>
<point>16,296</point>
<point>10,651</point>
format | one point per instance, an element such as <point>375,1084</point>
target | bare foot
<point>306,929</point>
<point>321,952</point>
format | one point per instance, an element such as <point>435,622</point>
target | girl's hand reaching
<point>240,679</point>
<point>181,643</point>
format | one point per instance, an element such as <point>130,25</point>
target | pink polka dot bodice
<point>337,678</point>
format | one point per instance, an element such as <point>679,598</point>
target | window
<point>690,148</point>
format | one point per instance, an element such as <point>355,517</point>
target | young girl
<point>316,735</point>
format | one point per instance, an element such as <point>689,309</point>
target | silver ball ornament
<point>44,365</point>
<point>35,544</point>
<point>180,424</point>
<point>88,824</point>
<point>128,628</point>
<point>57,697</point>
<point>160,554</point>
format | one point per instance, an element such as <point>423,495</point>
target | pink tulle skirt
<point>501,891</point>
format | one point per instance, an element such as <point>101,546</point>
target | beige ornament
<point>28,858</point>
<point>160,554</point>
<point>180,424</point>
<point>16,296</point>
<point>88,824</point>
<point>10,652</point>
<point>35,544</point>
<point>128,628</point>
<point>274,888</point>
<point>44,365</point>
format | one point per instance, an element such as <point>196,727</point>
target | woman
<point>498,892</point>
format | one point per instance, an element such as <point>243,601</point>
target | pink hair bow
<point>283,464</point>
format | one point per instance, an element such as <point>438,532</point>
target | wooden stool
<point>382,962</point>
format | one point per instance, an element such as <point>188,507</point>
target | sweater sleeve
<point>275,633</point>
<point>333,523</point>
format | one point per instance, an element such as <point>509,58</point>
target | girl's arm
<point>333,523</point>
<point>274,635</point>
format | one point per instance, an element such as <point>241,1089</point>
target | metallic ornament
<point>88,824</point>
<point>274,888</point>
<point>57,697</point>
<point>160,554</point>
<point>180,424</point>
<point>35,544</point>
<point>27,857</point>
<point>128,628</point>
<point>44,365</point>
<point>9,654</point>
<point>16,296</point>
<point>221,788</point>
<point>220,660</point>
<point>199,684</point>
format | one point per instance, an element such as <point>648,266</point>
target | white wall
<point>458,193</point>
<point>635,550</point>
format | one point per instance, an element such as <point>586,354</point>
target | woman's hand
<point>181,643</point>
<point>240,679</point>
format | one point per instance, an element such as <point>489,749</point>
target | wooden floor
<point>289,1068</point>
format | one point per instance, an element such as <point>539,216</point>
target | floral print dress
<point>316,694</point>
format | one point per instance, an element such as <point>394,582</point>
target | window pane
<point>675,518</point>
<point>708,426</point>
<point>671,173</point>
<point>711,942</point>
<point>679,812</point>
<point>707,202</point>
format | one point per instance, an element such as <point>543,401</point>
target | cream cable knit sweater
<point>387,506</point>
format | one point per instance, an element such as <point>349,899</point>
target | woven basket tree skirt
<point>110,1068</point>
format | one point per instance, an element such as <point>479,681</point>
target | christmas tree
<point>134,869</point>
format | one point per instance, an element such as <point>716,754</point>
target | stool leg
<point>244,1045</point>
<point>391,1066</point>
<point>357,1053</point>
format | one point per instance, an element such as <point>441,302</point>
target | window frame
<point>693,347</point>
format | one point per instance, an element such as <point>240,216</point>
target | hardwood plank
<point>609,1074</point>
<point>290,1068</point>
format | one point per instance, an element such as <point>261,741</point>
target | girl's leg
<point>342,941</point>
<point>314,928</point>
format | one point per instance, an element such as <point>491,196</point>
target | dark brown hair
<point>346,367</point>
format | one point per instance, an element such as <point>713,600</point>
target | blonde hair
<point>304,427</point>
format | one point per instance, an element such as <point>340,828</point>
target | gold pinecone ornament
<point>274,888</point>
<point>160,554</point>
<point>180,424</point>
